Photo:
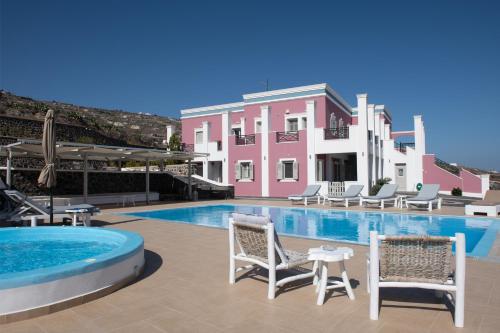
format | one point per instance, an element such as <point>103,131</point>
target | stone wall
<point>33,129</point>
<point>71,182</point>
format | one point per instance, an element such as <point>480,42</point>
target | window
<point>376,139</point>
<point>370,133</point>
<point>292,125</point>
<point>401,172</point>
<point>199,137</point>
<point>258,126</point>
<point>333,121</point>
<point>236,131</point>
<point>341,123</point>
<point>244,170</point>
<point>287,170</point>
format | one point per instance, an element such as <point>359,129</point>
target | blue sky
<point>440,59</point>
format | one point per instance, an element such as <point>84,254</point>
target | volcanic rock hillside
<point>22,117</point>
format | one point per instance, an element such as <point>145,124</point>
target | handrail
<point>243,140</point>
<point>287,136</point>
<point>336,133</point>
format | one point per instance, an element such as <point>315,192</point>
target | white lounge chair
<point>386,193</point>
<point>32,209</point>
<point>351,194</point>
<point>489,206</point>
<point>417,262</point>
<point>259,245</point>
<point>311,192</point>
<point>427,196</point>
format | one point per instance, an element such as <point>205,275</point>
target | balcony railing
<point>187,147</point>
<point>447,166</point>
<point>243,140</point>
<point>401,146</point>
<point>287,136</point>
<point>336,133</point>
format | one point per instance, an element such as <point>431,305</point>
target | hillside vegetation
<point>137,129</point>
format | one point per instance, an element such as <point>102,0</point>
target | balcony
<point>287,136</point>
<point>243,140</point>
<point>401,146</point>
<point>336,133</point>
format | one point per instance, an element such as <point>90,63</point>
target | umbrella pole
<point>51,194</point>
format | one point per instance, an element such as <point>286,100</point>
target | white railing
<point>336,188</point>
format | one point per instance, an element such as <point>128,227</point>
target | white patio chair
<point>351,194</point>
<point>259,245</point>
<point>427,196</point>
<point>417,262</point>
<point>386,193</point>
<point>311,192</point>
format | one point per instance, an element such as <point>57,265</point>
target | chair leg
<point>382,204</point>
<point>323,283</point>
<point>232,270</point>
<point>430,206</point>
<point>439,203</point>
<point>368,276</point>
<point>272,284</point>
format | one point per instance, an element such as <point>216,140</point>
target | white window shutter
<point>295,170</point>
<point>237,171</point>
<point>279,171</point>
<point>251,171</point>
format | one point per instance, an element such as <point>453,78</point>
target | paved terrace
<point>185,289</point>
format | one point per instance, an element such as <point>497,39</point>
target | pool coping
<point>491,230</point>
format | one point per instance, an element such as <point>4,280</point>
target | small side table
<point>83,213</point>
<point>322,256</point>
<point>401,200</point>
<point>127,199</point>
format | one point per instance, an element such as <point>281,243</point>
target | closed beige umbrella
<point>47,176</point>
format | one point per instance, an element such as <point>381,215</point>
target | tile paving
<point>185,288</point>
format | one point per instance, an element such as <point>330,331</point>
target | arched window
<point>333,121</point>
<point>341,122</point>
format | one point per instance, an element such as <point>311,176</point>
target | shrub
<point>456,191</point>
<point>378,184</point>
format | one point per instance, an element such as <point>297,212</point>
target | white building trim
<point>311,153</point>
<point>265,128</point>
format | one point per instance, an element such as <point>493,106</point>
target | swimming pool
<point>339,225</point>
<point>46,265</point>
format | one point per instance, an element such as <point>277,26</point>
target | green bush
<point>378,184</point>
<point>456,191</point>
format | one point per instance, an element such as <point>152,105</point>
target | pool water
<point>338,225</point>
<point>26,255</point>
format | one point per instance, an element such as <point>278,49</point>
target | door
<point>401,176</point>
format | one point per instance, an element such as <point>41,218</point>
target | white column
<point>243,125</point>
<point>85,179</point>
<point>419,148</point>
<point>380,129</point>
<point>206,136</point>
<point>147,181</point>
<point>311,153</point>
<point>170,131</point>
<point>362,151</point>
<point>8,176</point>
<point>226,129</point>
<point>371,126</point>
<point>265,117</point>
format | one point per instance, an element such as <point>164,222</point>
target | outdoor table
<point>322,256</point>
<point>84,213</point>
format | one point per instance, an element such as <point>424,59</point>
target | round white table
<point>84,213</point>
<point>322,256</point>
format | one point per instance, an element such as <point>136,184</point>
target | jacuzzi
<point>46,267</point>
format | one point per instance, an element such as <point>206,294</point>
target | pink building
<point>274,143</point>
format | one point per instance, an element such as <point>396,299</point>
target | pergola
<point>91,152</point>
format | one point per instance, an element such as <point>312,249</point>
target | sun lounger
<point>259,245</point>
<point>351,194</point>
<point>386,193</point>
<point>417,262</point>
<point>490,205</point>
<point>311,192</point>
<point>30,208</point>
<point>427,196</point>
